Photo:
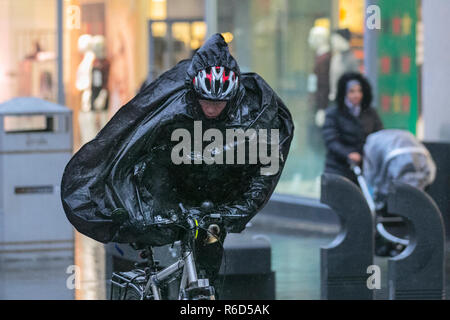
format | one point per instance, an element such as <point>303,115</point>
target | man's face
<point>212,109</point>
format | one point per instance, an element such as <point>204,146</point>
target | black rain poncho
<point>124,187</point>
<point>396,155</point>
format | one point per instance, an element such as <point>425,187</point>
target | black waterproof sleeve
<point>250,203</point>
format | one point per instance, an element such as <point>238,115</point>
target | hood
<point>214,52</point>
<point>342,90</point>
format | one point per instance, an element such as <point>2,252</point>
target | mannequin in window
<point>100,75</point>
<point>342,60</point>
<point>83,83</point>
<point>319,81</point>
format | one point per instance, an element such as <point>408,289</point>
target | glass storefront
<point>176,30</point>
<point>28,65</point>
<point>282,40</point>
<point>112,47</point>
<point>146,37</point>
<point>271,38</point>
<point>172,40</point>
<point>105,59</point>
<point>287,42</point>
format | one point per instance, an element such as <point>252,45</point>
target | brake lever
<point>183,209</point>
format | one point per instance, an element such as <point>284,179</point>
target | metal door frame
<point>169,38</point>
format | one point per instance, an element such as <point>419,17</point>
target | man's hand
<point>355,157</point>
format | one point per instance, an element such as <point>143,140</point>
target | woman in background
<point>348,123</point>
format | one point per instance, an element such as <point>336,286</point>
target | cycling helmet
<point>216,83</point>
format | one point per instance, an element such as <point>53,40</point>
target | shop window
<point>28,65</point>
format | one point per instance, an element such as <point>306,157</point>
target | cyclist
<point>124,186</point>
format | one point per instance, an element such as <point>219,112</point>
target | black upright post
<point>418,272</point>
<point>345,261</point>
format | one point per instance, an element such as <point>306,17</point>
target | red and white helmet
<point>216,83</point>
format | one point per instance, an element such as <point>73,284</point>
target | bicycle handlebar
<point>193,220</point>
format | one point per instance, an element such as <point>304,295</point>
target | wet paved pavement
<point>295,259</point>
<point>35,279</point>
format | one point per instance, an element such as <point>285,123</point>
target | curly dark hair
<point>342,89</point>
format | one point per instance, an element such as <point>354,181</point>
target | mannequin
<point>319,81</point>
<point>100,75</point>
<point>342,60</point>
<point>84,84</point>
<point>83,81</point>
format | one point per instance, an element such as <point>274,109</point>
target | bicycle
<point>151,281</point>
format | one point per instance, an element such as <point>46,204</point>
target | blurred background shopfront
<point>110,48</point>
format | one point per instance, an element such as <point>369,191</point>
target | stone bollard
<point>418,272</point>
<point>345,260</point>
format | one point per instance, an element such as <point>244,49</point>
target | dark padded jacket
<point>344,133</point>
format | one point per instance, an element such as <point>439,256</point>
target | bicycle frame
<point>189,277</point>
<point>151,279</point>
